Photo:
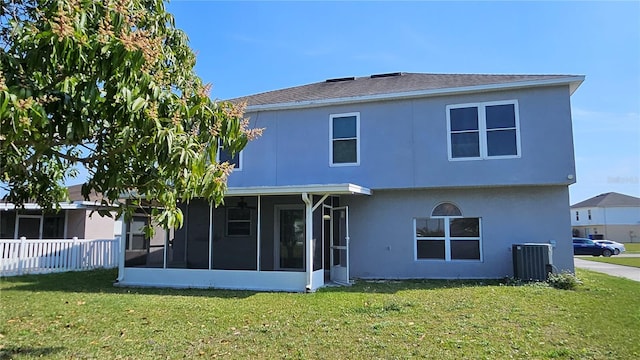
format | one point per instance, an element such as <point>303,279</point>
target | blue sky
<point>247,47</point>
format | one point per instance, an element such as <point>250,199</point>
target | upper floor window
<point>224,155</point>
<point>589,214</point>
<point>487,130</point>
<point>344,146</point>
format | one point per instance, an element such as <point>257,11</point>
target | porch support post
<point>41,225</point>
<point>165,249</point>
<point>210,266</point>
<point>66,224</point>
<point>308,241</point>
<point>122,249</point>
<point>258,231</point>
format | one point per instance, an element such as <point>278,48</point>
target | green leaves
<point>137,104</point>
<point>108,87</point>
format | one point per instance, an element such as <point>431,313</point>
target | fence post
<point>106,259</point>
<point>74,254</point>
<point>21,254</point>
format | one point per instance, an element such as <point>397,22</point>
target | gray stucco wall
<point>76,221</point>
<point>403,144</point>
<point>98,227</point>
<point>382,238</point>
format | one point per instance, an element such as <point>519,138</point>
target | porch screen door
<point>340,245</point>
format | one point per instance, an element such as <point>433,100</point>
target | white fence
<point>24,256</point>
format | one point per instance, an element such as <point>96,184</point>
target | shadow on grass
<point>102,281</point>
<point>13,352</point>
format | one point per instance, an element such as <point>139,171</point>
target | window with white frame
<point>447,235</point>
<point>136,239</point>
<point>488,130</point>
<point>238,221</point>
<point>344,147</point>
<point>224,155</point>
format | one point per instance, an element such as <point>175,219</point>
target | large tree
<point>108,86</point>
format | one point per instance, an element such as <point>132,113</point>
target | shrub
<point>564,280</point>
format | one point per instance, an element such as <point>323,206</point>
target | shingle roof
<point>610,199</point>
<point>75,194</point>
<point>393,83</point>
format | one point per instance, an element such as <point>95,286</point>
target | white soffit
<point>333,189</point>
<point>63,206</point>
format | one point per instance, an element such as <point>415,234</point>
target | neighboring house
<point>76,218</point>
<point>611,216</point>
<point>392,176</point>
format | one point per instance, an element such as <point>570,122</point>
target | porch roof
<point>63,205</point>
<point>334,189</point>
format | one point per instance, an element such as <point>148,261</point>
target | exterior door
<point>290,238</point>
<point>340,245</point>
<point>29,226</point>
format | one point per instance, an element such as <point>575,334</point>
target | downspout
<point>308,243</point>
<point>66,224</point>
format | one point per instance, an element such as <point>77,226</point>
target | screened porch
<point>277,238</point>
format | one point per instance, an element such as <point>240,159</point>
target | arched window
<point>448,236</point>
<point>446,209</point>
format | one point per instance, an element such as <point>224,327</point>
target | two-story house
<point>611,216</point>
<point>389,176</point>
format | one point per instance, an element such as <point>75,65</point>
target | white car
<point>618,247</point>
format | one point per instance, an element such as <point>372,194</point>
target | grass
<point>626,261</point>
<point>82,316</point>
<point>632,248</point>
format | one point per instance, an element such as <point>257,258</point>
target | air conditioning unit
<point>532,261</point>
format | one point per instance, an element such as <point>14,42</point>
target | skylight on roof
<point>340,79</point>
<point>386,75</point>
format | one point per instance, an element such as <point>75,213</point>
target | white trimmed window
<point>488,130</point>
<point>224,155</point>
<point>136,239</point>
<point>344,145</point>
<point>238,221</point>
<point>447,235</point>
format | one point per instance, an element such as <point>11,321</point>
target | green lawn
<point>627,261</point>
<point>632,248</point>
<point>82,316</point>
